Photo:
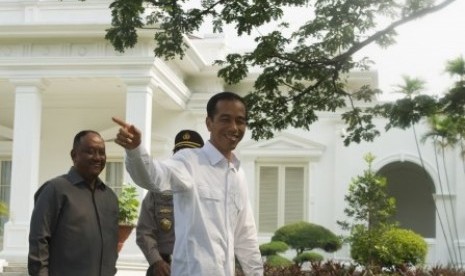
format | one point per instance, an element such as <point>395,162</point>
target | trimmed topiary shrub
<point>303,236</point>
<point>273,248</point>
<point>307,257</point>
<point>401,246</point>
<point>278,261</point>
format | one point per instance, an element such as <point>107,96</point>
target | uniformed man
<point>155,228</point>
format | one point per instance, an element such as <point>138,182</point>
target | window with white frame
<point>5,181</point>
<point>114,175</point>
<point>5,187</point>
<point>282,195</point>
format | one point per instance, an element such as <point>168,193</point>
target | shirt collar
<point>215,156</point>
<point>75,178</point>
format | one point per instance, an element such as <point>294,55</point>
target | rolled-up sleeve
<point>154,175</point>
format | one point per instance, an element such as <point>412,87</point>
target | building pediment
<point>283,145</point>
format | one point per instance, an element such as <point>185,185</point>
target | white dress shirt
<point>214,219</point>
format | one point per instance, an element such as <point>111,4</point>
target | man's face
<point>89,157</point>
<point>227,127</point>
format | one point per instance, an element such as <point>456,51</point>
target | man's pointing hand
<point>129,137</point>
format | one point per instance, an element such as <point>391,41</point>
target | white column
<point>139,97</point>
<point>458,180</point>
<point>25,168</point>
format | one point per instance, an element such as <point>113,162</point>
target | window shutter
<point>5,181</point>
<point>294,195</point>
<point>268,204</point>
<point>5,187</point>
<point>114,175</point>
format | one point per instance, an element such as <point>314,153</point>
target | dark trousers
<point>165,257</point>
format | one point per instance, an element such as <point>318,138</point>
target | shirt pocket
<point>211,204</point>
<point>209,194</point>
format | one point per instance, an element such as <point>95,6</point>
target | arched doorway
<point>413,189</point>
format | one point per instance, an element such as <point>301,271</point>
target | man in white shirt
<point>155,226</point>
<point>214,219</point>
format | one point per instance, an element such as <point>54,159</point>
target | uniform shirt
<point>155,227</point>
<point>74,231</point>
<point>213,215</point>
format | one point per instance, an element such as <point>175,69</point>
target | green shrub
<point>128,205</point>
<point>308,257</point>
<point>4,212</point>
<point>303,236</point>
<point>272,248</point>
<point>278,261</point>
<point>402,246</point>
<point>364,243</point>
<point>393,247</point>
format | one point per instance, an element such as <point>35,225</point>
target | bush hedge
<point>393,247</point>
<point>402,246</point>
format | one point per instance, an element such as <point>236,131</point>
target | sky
<point>423,47</point>
<point>422,50</point>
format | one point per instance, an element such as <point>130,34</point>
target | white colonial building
<point>58,75</point>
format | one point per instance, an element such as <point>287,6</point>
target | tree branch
<point>413,16</point>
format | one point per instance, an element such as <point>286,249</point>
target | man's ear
<point>208,122</point>
<point>72,154</point>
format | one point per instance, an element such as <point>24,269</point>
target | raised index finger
<point>120,122</point>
